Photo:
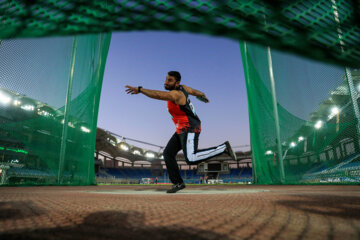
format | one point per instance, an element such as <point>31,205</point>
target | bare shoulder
<point>187,89</point>
<point>175,92</point>
<point>179,97</point>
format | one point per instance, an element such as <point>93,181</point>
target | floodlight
<point>28,107</point>
<point>17,102</point>
<point>301,138</point>
<point>124,146</point>
<point>268,152</point>
<point>149,154</point>
<point>335,110</point>
<point>4,99</point>
<point>292,144</point>
<point>318,124</point>
<point>44,113</point>
<point>136,152</point>
<point>84,129</point>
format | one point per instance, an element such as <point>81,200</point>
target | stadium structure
<point>331,127</point>
<point>118,161</point>
<point>19,162</point>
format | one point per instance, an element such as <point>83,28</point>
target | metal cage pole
<point>246,66</point>
<point>276,116</point>
<point>354,98</point>
<point>66,112</point>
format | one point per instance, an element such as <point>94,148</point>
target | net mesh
<point>303,118</point>
<point>49,97</point>
<point>307,27</point>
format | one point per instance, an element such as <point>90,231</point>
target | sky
<point>210,64</point>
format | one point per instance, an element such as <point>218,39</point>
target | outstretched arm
<point>200,95</point>
<point>172,96</point>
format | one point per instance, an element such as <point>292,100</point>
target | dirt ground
<point>197,212</point>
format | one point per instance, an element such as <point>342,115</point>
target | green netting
<point>307,27</point>
<point>49,98</point>
<point>303,120</point>
<point>50,87</point>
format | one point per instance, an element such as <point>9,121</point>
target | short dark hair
<point>175,74</point>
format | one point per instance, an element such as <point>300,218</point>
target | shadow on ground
<point>114,225</point>
<point>326,205</point>
<point>19,210</point>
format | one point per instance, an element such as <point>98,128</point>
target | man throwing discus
<point>188,127</point>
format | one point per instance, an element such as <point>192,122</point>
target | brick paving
<point>199,212</point>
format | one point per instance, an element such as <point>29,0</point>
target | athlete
<point>188,127</point>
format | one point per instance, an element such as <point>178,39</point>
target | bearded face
<point>170,83</point>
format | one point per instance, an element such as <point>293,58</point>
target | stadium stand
<point>17,174</point>
<point>118,161</point>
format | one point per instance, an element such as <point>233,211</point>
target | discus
<point>205,100</point>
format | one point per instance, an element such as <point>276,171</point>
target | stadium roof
<point>109,143</point>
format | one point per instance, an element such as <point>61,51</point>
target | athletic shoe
<point>229,151</point>
<point>176,187</point>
